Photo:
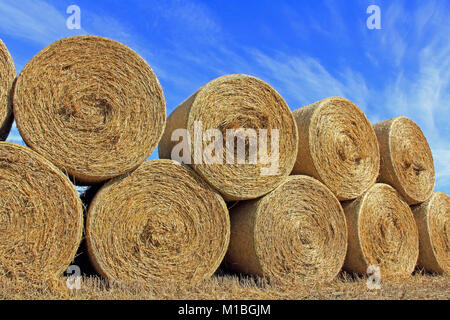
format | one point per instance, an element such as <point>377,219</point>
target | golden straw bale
<point>237,102</point>
<point>296,233</point>
<point>433,221</point>
<point>41,215</point>
<point>161,222</point>
<point>337,146</point>
<point>381,232</point>
<point>7,77</point>
<point>90,105</point>
<point>406,159</point>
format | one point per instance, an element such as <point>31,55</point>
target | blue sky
<point>307,50</point>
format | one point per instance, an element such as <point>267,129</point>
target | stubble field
<point>229,287</point>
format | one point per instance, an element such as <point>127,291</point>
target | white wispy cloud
<point>421,90</point>
<point>106,26</point>
<point>393,36</point>
<point>184,19</point>
<point>441,160</point>
<point>33,20</point>
<point>305,80</point>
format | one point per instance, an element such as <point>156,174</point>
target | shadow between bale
<point>82,259</point>
<point>7,82</point>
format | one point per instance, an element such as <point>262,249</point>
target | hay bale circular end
<point>92,106</point>
<point>41,215</point>
<point>162,222</point>
<point>7,77</point>
<point>382,232</point>
<point>406,159</point>
<point>248,107</point>
<point>295,234</point>
<point>433,221</point>
<point>338,146</point>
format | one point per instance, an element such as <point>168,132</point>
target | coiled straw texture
<point>406,159</point>
<point>433,221</point>
<point>295,234</point>
<point>41,215</point>
<point>90,105</point>
<point>237,102</point>
<point>7,77</point>
<point>337,146</point>
<point>162,222</point>
<point>382,232</point>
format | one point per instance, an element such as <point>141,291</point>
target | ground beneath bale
<point>226,287</point>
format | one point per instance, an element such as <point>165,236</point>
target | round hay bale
<point>406,159</point>
<point>337,146</point>
<point>240,103</point>
<point>7,77</point>
<point>433,221</point>
<point>381,232</point>
<point>296,233</point>
<point>92,106</point>
<point>162,222</point>
<point>41,215</point>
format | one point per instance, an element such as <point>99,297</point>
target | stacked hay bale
<point>433,221</point>
<point>407,164</point>
<point>406,159</point>
<point>7,77</point>
<point>95,109</point>
<point>300,231</point>
<point>382,233</point>
<point>239,103</point>
<point>92,106</point>
<point>162,222</point>
<point>337,146</point>
<point>296,233</point>
<point>284,228</point>
<point>389,239</point>
<point>41,216</point>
